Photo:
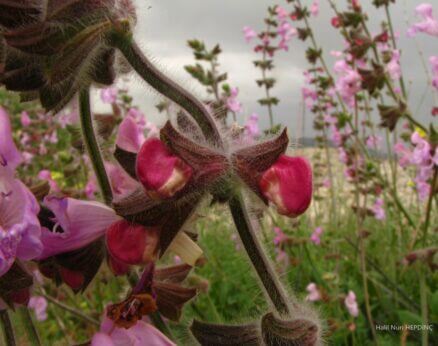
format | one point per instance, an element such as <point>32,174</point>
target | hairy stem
<point>257,256</point>
<point>28,325</point>
<point>166,86</point>
<point>92,146</point>
<point>8,331</point>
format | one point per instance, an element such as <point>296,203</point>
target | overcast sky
<point>165,25</point>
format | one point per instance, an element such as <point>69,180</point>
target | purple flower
<point>351,304</point>
<point>249,34</point>
<point>20,230</point>
<point>80,223</point>
<point>39,305</point>
<point>429,24</point>
<point>141,333</point>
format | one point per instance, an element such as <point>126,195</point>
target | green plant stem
<point>429,205</point>
<point>166,86</point>
<point>257,256</point>
<point>71,310</point>
<point>424,308</point>
<point>92,146</point>
<point>8,331</point>
<point>28,325</point>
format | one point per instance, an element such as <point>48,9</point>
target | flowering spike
<point>132,243</point>
<point>161,173</point>
<point>288,184</point>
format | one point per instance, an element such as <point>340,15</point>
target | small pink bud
<point>161,173</point>
<point>132,243</point>
<point>288,184</point>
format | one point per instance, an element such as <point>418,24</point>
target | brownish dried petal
<point>127,313</point>
<point>171,298</point>
<point>173,274</point>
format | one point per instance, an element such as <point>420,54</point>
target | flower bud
<point>131,243</point>
<point>161,173</point>
<point>288,184</point>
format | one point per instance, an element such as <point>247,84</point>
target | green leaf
<point>407,317</point>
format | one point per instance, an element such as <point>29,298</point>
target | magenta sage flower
<point>288,185</point>
<point>19,227</point>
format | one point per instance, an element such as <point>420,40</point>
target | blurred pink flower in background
<point>434,62</point>
<point>282,13</point>
<point>109,95</point>
<point>314,294</point>
<point>233,103</point>
<point>373,141</point>
<point>428,25</point>
<point>252,130</point>
<point>47,176</point>
<point>315,237</point>
<point>280,237</point>
<point>314,8</point>
<point>377,208</point>
<point>249,34</point>
<point>39,306</point>
<point>349,81</point>
<point>393,66</point>
<point>351,304</point>
<point>25,119</point>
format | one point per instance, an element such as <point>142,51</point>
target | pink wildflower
<point>428,25</point>
<point>315,237</point>
<point>249,34</point>
<point>351,304</point>
<point>314,294</point>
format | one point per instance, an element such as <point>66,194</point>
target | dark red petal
<point>288,184</point>
<point>72,278</point>
<point>131,243</point>
<point>161,173</point>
